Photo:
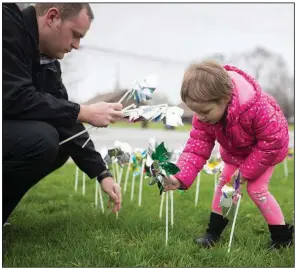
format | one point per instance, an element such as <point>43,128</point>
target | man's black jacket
<point>22,98</point>
<point>35,92</point>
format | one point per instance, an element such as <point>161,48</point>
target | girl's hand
<point>234,176</point>
<point>171,183</point>
<point>242,180</point>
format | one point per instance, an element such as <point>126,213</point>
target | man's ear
<point>52,15</point>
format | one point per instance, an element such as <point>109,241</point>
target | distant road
<point>138,138</point>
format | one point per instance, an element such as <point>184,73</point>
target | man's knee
<point>46,141</point>
<point>49,135</point>
<point>29,140</point>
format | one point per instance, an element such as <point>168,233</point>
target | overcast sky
<point>180,32</point>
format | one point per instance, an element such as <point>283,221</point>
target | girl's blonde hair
<point>206,81</point>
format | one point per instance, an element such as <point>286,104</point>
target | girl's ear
<point>227,99</point>
<point>223,100</point>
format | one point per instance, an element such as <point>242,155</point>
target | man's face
<point>62,36</point>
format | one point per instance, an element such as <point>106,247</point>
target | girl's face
<point>209,112</point>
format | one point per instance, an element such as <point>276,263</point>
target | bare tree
<point>281,88</point>
<point>272,73</point>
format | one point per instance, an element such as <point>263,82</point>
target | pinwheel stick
<point>165,196</point>
<point>114,173</point>
<point>83,183</point>
<point>76,135</point>
<point>120,174</point>
<point>125,95</point>
<point>127,175</point>
<point>161,206</point>
<point>172,208</point>
<point>91,127</point>
<point>87,141</point>
<point>197,188</point>
<point>100,195</point>
<point>215,180</point>
<point>76,179</point>
<point>141,182</point>
<point>233,224</point>
<point>133,187</point>
<point>96,193</point>
<point>148,107</point>
<point>166,218</point>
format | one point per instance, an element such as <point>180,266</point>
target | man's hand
<point>171,183</point>
<point>113,189</point>
<point>100,114</point>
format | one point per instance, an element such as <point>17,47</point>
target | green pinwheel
<point>158,166</point>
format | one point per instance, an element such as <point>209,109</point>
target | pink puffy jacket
<point>255,137</point>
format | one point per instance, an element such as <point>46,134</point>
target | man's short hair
<point>67,10</point>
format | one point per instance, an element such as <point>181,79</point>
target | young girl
<point>230,107</point>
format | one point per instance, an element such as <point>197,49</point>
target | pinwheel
<point>158,167</point>
<point>156,113</point>
<point>142,91</point>
<point>230,202</point>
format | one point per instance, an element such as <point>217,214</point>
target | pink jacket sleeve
<point>196,152</point>
<point>271,131</point>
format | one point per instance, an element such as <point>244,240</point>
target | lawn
<point>159,125</point>
<point>151,125</point>
<point>55,226</point>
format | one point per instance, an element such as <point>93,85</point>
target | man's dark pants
<point>30,152</point>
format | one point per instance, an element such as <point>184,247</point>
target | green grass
<point>54,226</point>
<point>151,125</point>
<point>159,125</point>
